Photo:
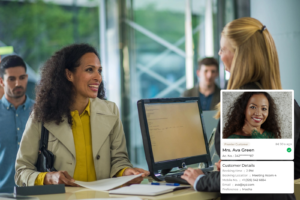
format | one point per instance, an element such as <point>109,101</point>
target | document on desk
<point>146,190</point>
<point>107,184</point>
<point>125,198</point>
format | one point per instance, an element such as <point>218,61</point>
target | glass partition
<point>141,44</point>
<point>155,42</point>
<point>38,28</point>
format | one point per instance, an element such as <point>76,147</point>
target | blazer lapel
<point>63,132</point>
<point>102,122</point>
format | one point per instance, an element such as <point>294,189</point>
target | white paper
<point>125,198</point>
<point>107,184</point>
<point>144,189</point>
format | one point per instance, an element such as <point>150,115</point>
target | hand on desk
<point>218,165</point>
<point>190,175</point>
<point>60,177</point>
<point>135,171</point>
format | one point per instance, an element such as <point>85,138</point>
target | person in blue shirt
<point>206,89</point>
<point>15,108</point>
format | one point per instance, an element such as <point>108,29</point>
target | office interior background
<point>148,48</point>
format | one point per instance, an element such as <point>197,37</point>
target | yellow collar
<point>87,109</point>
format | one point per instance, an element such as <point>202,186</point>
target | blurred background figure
<point>1,88</point>
<point>206,89</point>
<point>6,50</point>
<point>15,107</point>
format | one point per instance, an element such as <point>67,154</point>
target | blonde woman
<point>248,52</point>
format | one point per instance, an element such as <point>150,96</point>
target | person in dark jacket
<point>206,89</point>
<point>248,52</point>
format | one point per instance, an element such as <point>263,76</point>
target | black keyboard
<point>176,178</point>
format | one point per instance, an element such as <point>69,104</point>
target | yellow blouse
<point>85,168</point>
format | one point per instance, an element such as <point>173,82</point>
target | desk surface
<point>83,193</point>
<point>190,194</point>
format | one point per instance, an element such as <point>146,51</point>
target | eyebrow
<point>17,76</point>
<point>257,105</point>
<point>93,66</point>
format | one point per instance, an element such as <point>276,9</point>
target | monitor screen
<point>175,130</point>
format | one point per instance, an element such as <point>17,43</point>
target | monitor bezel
<point>155,166</point>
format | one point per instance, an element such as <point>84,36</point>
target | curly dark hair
<point>55,93</point>
<point>236,115</point>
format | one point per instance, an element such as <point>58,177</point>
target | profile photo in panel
<point>257,114</point>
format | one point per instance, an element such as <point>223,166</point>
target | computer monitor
<point>173,133</point>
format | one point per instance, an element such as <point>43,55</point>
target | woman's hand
<point>248,128</point>
<point>60,177</point>
<point>136,171</point>
<point>190,175</point>
<point>218,165</point>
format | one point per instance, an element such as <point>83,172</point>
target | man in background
<point>1,88</point>
<point>15,108</point>
<point>207,90</point>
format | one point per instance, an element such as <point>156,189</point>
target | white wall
<point>282,18</point>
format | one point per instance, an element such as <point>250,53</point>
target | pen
<point>169,184</point>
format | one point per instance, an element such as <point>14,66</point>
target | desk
<point>83,193</point>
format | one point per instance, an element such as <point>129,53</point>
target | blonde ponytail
<point>255,57</point>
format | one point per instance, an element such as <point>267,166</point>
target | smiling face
<point>257,110</point>
<point>226,52</point>
<point>87,76</point>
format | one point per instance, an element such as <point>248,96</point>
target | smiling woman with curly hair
<point>85,132</point>
<point>253,115</point>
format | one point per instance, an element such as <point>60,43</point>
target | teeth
<point>95,86</point>
<point>257,119</point>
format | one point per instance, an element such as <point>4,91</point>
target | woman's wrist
<point>40,178</point>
